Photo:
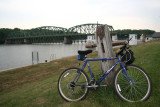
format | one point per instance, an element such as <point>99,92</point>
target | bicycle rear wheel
<point>71,84</point>
<point>140,90</point>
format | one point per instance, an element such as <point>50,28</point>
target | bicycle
<point>131,83</point>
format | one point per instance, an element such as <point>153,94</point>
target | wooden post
<point>144,37</point>
<point>105,50</point>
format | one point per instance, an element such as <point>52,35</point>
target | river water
<point>13,56</point>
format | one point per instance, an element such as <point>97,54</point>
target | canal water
<point>13,56</point>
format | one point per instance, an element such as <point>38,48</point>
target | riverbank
<point>37,85</point>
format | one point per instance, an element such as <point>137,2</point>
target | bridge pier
<point>27,41</point>
<point>8,41</point>
<point>67,40</point>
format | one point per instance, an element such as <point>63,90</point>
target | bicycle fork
<point>124,71</point>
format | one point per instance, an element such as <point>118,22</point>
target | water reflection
<point>12,56</point>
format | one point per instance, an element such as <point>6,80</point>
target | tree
<point>3,34</point>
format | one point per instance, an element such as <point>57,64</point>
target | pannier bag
<point>128,57</point>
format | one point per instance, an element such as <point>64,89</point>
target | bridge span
<point>53,34</point>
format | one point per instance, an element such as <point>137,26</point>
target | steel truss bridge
<point>53,34</point>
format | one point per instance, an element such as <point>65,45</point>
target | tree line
<point>122,34</point>
<point>3,34</point>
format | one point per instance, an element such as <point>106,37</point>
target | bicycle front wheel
<point>71,84</point>
<point>139,89</point>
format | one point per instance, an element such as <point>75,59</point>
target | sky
<point>121,14</point>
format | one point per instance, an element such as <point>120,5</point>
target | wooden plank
<point>113,44</point>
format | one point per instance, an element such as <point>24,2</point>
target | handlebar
<point>123,48</point>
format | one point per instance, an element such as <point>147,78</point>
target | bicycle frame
<point>107,72</point>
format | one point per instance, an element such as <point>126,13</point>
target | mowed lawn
<point>37,85</point>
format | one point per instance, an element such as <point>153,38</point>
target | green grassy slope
<point>37,85</point>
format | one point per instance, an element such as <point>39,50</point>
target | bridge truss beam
<point>52,33</point>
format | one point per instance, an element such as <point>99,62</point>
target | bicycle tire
<point>139,91</point>
<point>71,93</point>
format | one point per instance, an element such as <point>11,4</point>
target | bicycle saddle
<point>84,52</point>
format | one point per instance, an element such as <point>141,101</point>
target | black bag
<point>128,57</point>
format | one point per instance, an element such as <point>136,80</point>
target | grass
<point>37,85</point>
